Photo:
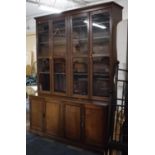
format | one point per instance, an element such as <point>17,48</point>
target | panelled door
<point>95,124</point>
<point>53,118</point>
<point>72,121</point>
<point>36,114</point>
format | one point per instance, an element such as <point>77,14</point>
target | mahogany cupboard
<point>76,53</point>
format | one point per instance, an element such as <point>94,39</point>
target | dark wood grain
<point>95,127</point>
<point>36,114</point>
<point>52,118</point>
<point>72,121</point>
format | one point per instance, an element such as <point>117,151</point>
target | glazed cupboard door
<point>36,114</point>
<point>72,126</point>
<point>59,53</point>
<point>43,56</point>
<point>79,55</point>
<point>100,53</point>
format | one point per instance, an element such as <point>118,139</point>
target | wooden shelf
<point>44,72</point>
<point>101,55</point>
<point>101,38</point>
<point>101,74</point>
<point>78,26</point>
<point>75,73</point>
<point>59,73</point>
<point>43,57</point>
<point>43,32</point>
<point>44,42</point>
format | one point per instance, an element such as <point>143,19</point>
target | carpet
<point>36,145</point>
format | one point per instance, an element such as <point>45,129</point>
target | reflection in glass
<point>100,86</point>
<point>101,33</point>
<point>101,65</point>
<point>44,81</point>
<point>43,40</point>
<point>43,27</point>
<point>59,38</point>
<point>43,65</point>
<point>59,75</point>
<point>101,76</point>
<point>80,76</point>
<point>79,36</point>
<point>43,50</point>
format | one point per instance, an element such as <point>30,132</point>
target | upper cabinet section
<point>76,52</point>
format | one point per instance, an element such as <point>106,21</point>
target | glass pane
<point>101,76</point>
<point>43,65</point>
<point>43,27</point>
<point>80,76</point>
<point>101,33</point>
<point>43,40</point>
<point>43,50</point>
<point>100,86</point>
<point>80,36</point>
<point>101,65</point>
<point>59,75</point>
<point>59,38</point>
<point>44,81</point>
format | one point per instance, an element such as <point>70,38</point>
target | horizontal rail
<point>122,80</point>
<point>120,69</point>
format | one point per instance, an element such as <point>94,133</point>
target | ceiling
<point>32,8</point>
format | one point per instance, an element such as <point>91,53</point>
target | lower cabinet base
<point>81,124</point>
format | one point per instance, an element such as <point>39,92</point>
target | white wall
<point>122,54</point>
<point>122,42</point>
<point>30,25</point>
<point>30,47</point>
